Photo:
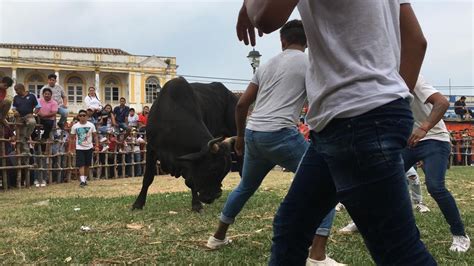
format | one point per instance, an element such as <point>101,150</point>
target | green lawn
<point>41,225</point>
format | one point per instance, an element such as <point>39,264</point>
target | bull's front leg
<point>196,205</point>
<point>150,171</point>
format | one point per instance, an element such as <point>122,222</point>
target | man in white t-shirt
<point>364,57</point>
<point>271,136</point>
<point>431,144</point>
<point>81,136</point>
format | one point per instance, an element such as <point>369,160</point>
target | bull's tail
<point>150,172</point>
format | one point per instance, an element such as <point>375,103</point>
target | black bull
<point>186,127</point>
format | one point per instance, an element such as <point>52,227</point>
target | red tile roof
<point>60,48</point>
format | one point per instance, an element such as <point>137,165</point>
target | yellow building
<point>114,72</point>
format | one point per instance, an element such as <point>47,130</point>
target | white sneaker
<point>214,243</point>
<point>349,229</point>
<point>326,261</point>
<point>460,244</point>
<point>422,208</point>
<point>43,184</point>
<point>339,207</point>
<point>37,184</point>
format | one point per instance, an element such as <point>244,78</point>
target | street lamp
<point>254,58</point>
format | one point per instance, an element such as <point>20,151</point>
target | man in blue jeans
<point>121,114</point>
<point>365,56</point>
<point>430,143</point>
<point>271,136</point>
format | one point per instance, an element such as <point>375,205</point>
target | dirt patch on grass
<point>130,186</point>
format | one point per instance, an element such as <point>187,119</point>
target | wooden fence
<point>51,159</point>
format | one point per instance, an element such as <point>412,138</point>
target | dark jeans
<point>358,162</point>
<point>461,112</point>
<point>434,155</point>
<point>47,127</point>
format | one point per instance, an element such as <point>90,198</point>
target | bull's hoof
<point>137,207</point>
<point>197,208</point>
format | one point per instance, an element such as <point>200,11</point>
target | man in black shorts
<point>81,134</point>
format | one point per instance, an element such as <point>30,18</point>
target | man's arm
<point>440,105</point>
<point>37,107</point>
<point>112,117</point>
<point>241,111</point>
<point>266,15</point>
<point>413,46</point>
<point>54,109</point>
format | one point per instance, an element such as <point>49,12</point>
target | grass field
<point>42,225</point>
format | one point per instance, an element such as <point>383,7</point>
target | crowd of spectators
<point>461,145</point>
<point>30,133</point>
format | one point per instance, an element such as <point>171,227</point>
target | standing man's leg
<point>415,189</point>
<point>82,171</point>
<point>26,131</point>
<point>83,161</point>
<point>469,154</point>
<point>363,154</point>
<point>296,146</point>
<point>290,159</point>
<point>63,112</point>
<point>310,198</point>
<point>414,185</point>
<point>254,171</point>
<point>318,248</point>
<point>435,158</point>
<point>138,166</point>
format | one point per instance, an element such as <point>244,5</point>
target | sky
<point>201,34</point>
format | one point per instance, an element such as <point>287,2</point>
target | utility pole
<point>450,87</point>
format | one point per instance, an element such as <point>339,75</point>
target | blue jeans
<point>63,112</point>
<point>104,130</point>
<point>138,167</point>
<point>122,125</point>
<point>435,155</point>
<point>358,162</point>
<point>414,186</point>
<point>264,150</point>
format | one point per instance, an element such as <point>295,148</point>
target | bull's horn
<point>212,144</point>
<point>230,141</point>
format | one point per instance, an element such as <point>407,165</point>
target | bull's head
<point>208,167</point>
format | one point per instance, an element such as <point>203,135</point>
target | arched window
<point>152,88</point>
<point>35,83</point>
<point>111,90</point>
<point>75,89</point>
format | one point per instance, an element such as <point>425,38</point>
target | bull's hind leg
<point>150,172</point>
